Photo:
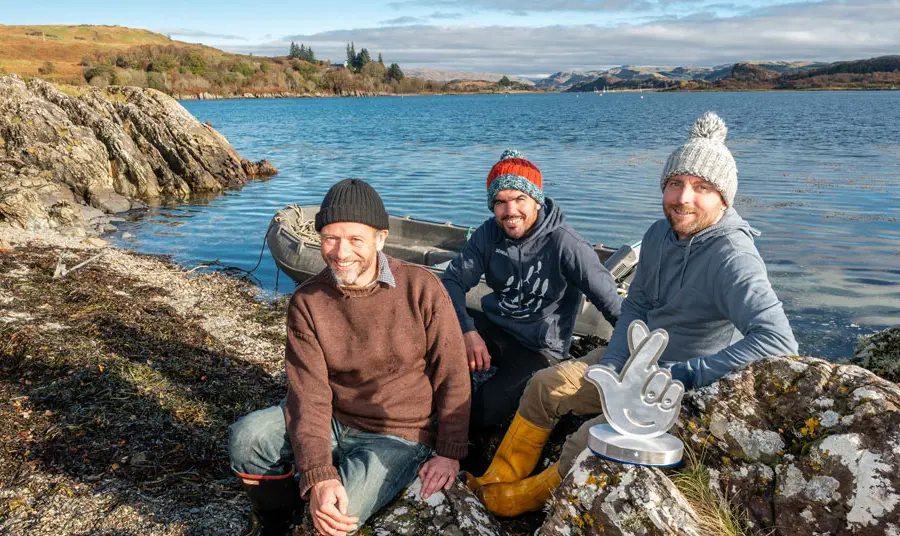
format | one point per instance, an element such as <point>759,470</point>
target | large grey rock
<point>803,443</point>
<point>603,497</point>
<point>453,512</point>
<point>110,149</point>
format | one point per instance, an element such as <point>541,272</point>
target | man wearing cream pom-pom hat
<point>700,278</point>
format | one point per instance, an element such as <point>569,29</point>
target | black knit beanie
<point>352,200</point>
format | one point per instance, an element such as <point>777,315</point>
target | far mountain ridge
<point>443,75</point>
<point>874,73</point>
<point>566,80</point>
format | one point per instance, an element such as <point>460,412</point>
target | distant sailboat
<point>641,90</point>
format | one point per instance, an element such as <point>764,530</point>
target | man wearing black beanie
<point>378,383</point>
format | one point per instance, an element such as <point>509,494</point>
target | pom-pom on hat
<point>513,172</point>
<point>705,156</point>
<point>352,200</point>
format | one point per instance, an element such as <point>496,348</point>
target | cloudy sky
<point>529,37</point>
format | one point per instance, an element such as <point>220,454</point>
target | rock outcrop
<point>108,150</point>
<point>880,353</point>
<point>803,446</point>
<point>453,512</point>
<point>603,497</point>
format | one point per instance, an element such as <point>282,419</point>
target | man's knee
<point>240,439</point>
<point>255,442</point>
<point>544,382</point>
<point>374,475</point>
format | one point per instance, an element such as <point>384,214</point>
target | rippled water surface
<point>819,176</point>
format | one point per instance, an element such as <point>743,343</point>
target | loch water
<point>819,176</point>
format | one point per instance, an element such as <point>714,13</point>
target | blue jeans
<point>373,468</point>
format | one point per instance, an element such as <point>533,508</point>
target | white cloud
<point>445,15</point>
<point>536,6</point>
<point>402,20</point>
<point>187,32</point>
<point>825,31</point>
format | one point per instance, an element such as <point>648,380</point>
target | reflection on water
<point>819,176</point>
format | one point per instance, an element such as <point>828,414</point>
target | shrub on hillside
<point>163,63</point>
<point>47,68</point>
<point>131,77</point>
<point>157,81</point>
<point>243,68</point>
<point>194,63</point>
<point>100,75</point>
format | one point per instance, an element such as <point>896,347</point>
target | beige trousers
<point>561,389</point>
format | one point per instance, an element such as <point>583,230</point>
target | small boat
<point>293,242</point>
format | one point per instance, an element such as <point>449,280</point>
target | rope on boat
<point>303,229</point>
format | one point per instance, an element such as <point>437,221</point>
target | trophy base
<point>662,451</point>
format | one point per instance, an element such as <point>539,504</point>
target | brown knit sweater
<point>379,359</point>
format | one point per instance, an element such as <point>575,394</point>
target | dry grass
<point>25,49</point>
<point>717,516</point>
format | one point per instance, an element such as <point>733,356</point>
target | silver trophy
<point>640,404</point>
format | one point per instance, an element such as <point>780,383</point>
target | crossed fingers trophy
<point>641,403</point>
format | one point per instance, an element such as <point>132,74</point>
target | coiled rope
<point>305,230</point>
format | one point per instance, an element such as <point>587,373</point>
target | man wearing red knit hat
<point>538,268</point>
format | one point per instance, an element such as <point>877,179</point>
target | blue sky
<point>511,36</point>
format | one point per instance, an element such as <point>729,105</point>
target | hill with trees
<point>113,55</point>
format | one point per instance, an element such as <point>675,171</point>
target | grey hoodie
<point>711,293</point>
<point>537,281</point>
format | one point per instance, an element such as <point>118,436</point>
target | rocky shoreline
<point>119,378</point>
<point>68,161</point>
<point>119,381</point>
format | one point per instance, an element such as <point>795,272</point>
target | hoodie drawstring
<point>659,262</point>
<point>687,253</point>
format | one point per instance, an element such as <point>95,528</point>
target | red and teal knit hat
<point>513,172</point>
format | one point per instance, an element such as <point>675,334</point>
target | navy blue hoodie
<point>710,292</point>
<point>537,281</point>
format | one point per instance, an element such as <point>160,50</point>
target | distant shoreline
<point>286,95</point>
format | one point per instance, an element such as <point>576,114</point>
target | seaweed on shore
<point>106,381</point>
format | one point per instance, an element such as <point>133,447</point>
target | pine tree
<point>294,51</point>
<point>381,61</point>
<point>394,72</point>
<point>351,56</point>
<point>362,59</point>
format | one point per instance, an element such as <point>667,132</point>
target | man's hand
<point>328,507</point>
<point>476,351</point>
<point>437,473</point>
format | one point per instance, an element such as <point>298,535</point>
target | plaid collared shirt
<point>384,271</point>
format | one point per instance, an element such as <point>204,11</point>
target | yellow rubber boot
<point>516,457</point>
<point>510,499</point>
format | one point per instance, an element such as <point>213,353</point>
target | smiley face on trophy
<point>641,403</point>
